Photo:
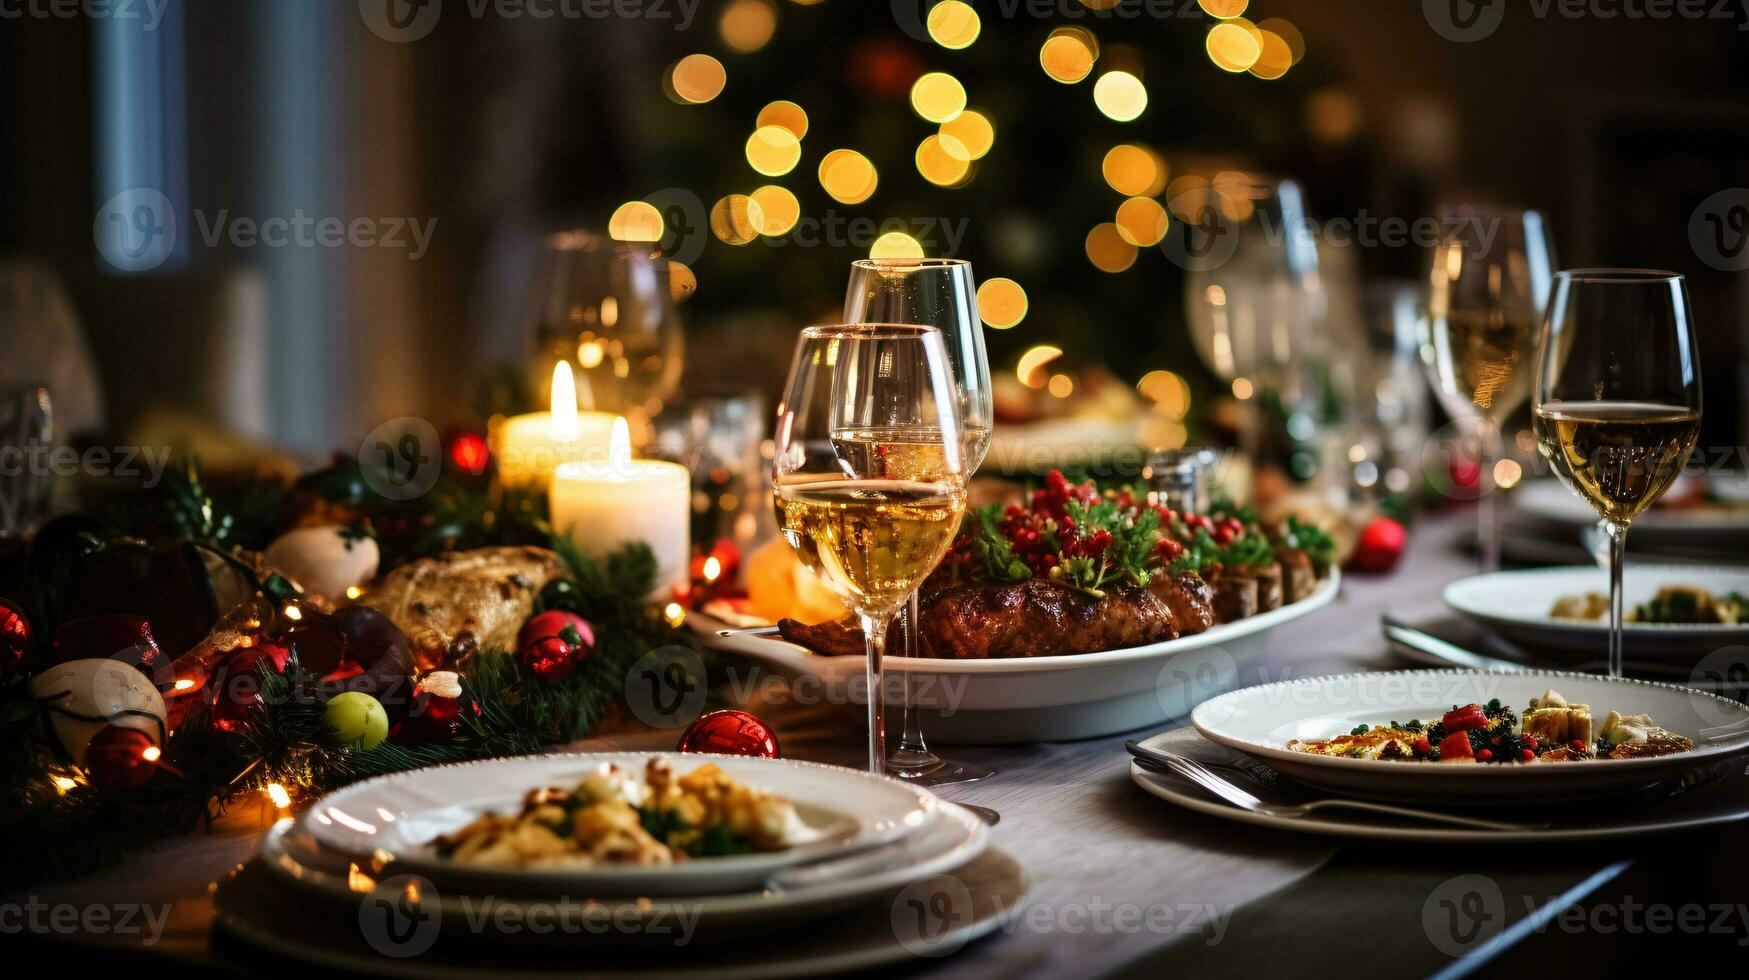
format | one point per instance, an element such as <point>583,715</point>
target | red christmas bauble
<point>730,732</point>
<point>118,758</point>
<point>118,637</point>
<point>1380,546</point>
<point>439,702</point>
<point>14,635</point>
<point>549,658</point>
<point>554,622</point>
<point>234,689</point>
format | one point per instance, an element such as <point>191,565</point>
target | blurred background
<point>428,151</point>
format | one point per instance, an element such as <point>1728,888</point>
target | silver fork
<point>1205,777</point>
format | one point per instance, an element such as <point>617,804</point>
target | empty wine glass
<point>1618,399</point>
<point>858,397</point>
<point>939,293</point>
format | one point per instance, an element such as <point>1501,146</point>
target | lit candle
<point>531,446</point>
<point>603,504</point>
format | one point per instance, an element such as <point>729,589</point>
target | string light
<point>1223,9</point>
<point>278,795</point>
<point>938,96</point>
<point>780,209</point>
<point>713,569</point>
<point>354,592</point>
<point>953,24</point>
<point>1107,249</point>
<point>1002,304</point>
<point>1068,54</point>
<point>1120,95</point>
<point>974,130</point>
<point>1134,171</point>
<point>787,114</point>
<point>1061,386</point>
<point>1141,221</point>
<point>696,79</point>
<point>773,150</point>
<point>848,176</point>
<point>674,615</point>
<point>293,613</point>
<point>943,160</point>
<point>151,753</point>
<point>747,25</point>
<point>1234,45</point>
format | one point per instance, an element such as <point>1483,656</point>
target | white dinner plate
<point>394,818</point>
<point>1721,799</point>
<point>1550,500</point>
<point>1516,603</point>
<point>1039,699</point>
<point>1259,721</point>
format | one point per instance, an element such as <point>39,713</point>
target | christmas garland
<point>55,820</point>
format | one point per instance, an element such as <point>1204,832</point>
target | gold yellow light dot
<point>1274,57</point>
<point>1107,250</point>
<point>786,114</point>
<point>848,176</point>
<point>1134,171</point>
<point>736,219</point>
<point>780,209</point>
<point>1100,4</point>
<point>773,150</point>
<point>938,96</point>
<point>63,784</point>
<point>635,221</point>
<point>1333,115</point>
<point>1141,221</point>
<point>151,753</point>
<point>1030,370</point>
<point>953,24</point>
<point>1120,95</point>
<point>1001,303</point>
<point>674,614</point>
<point>974,131</point>
<point>1234,46</point>
<point>1068,54</point>
<point>1290,35</point>
<point>1061,386</point>
<point>278,795</point>
<point>896,245</point>
<point>184,684</point>
<point>697,78</point>
<point>943,160</point>
<point>1242,388</point>
<point>1167,390</point>
<point>682,281</point>
<point>1187,195</point>
<point>1507,473</point>
<point>1223,8</point>
<point>747,25</point>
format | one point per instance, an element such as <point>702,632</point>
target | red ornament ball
<point>730,732</point>
<point>439,703</point>
<point>1380,546</point>
<point>554,622</point>
<point>14,635</point>
<point>549,658</point>
<point>120,758</point>
<point>234,689</point>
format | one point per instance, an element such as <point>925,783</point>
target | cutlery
<point>1419,639</point>
<point>1206,778</point>
<point>749,631</point>
<point>1724,733</point>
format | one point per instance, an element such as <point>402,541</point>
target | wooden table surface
<point>1125,884</point>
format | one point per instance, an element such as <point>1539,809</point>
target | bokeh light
<point>1232,47</point>
<point>938,96</point>
<point>1169,392</point>
<point>1134,171</point>
<point>682,281</point>
<point>1061,386</point>
<point>696,79</point>
<point>1107,249</point>
<point>1068,54</point>
<point>1274,59</point>
<point>1120,95</point>
<point>779,208</point>
<point>737,219</point>
<point>953,24</point>
<point>1141,221</point>
<point>848,176</point>
<point>773,151</point>
<point>943,160</point>
<point>896,245</point>
<point>1296,42</point>
<point>1030,370</point>
<point>1223,8</point>
<point>974,131</point>
<point>747,25</point>
<point>635,221</point>
<point>1002,304</point>
<point>786,114</point>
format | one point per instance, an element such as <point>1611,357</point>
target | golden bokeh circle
<point>1223,9</point>
<point>938,96</point>
<point>682,281</point>
<point>1134,171</point>
<point>953,24</point>
<point>779,208</point>
<point>1284,29</point>
<point>697,78</point>
<point>848,176</point>
<point>974,131</point>
<point>737,219</point>
<point>786,114</point>
<point>1141,221</point>
<point>1274,58</point>
<point>1120,95</point>
<point>1234,45</point>
<point>1107,250</point>
<point>773,151</point>
<point>896,245</point>
<point>1068,54</point>
<point>943,160</point>
<point>1002,304</point>
<point>747,25</point>
<point>636,221</point>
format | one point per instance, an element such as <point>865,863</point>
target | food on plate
<point>1079,570</point>
<point>1553,730</point>
<point>462,601</point>
<point>1674,604</point>
<point>610,819</point>
<point>779,586</point>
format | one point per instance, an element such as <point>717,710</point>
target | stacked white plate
<point>354,883</point>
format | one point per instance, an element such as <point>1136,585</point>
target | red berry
<point>1485,755</point>
<point>1527,755</point>
<point>1530,742</point>
<point>1577,745</point>
<point>1423,746</point>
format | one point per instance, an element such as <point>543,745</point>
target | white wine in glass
<point>1618,400</point>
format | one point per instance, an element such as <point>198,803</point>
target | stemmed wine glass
<point>858,397</point>
<point>938,293</point>
<point>1487,289</point>
<point>1618,399</point>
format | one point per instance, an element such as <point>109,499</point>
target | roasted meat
<point>464,600</point>
<point>1188,597</point>
<point>1299,576</point>
<point>1235,595</point>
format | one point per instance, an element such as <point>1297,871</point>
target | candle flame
<point>619,446</point>
<point>712,569</point>
<point>566,427</point>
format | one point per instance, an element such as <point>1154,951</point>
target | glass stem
<point>1618,547</point>
<point>1488,504</point>
<point>913,752</point>
<point>874,632</point>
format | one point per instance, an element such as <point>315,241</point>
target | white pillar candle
<point>529,447</point>
<point>603,504</point>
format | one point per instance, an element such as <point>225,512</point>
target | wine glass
<point>1617,399</point>
<point>1487,288</point>
<point>859,397</point>
<point>607,307</point>
<point>938,293</point>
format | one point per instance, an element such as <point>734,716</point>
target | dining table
<point>1126,884</point>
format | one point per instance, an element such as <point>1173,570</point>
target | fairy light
<point>747,25</point>
<point>1068,54</point>
<point>896,245</point>
<point>278,795</point>
<point>1134,170</point>
<point>1507,473</point>
<point>696,79</point>
<point>1224,9</point>
<point>64,784</point>
<point>1234,45</point>
<point>1061,386</point>
<point>779,208</point>
<point>1141,221</point>
<point>953,24</point>
<point>354,592</point>
<point>1120,95</point>
<point>674,614</point>
<point>1002,304</point>
<point>1107,249</point>
<point>938,96</point>
<point>974,130</point>
<point>773,150</point>
<point>293,613</point>
<point>848,176</point>
<point>713,569</point>
<point>943,160</point>
<point>183,684</point>
<point>151,753</point>
<point>635,221</point>
<point>787,114</point>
